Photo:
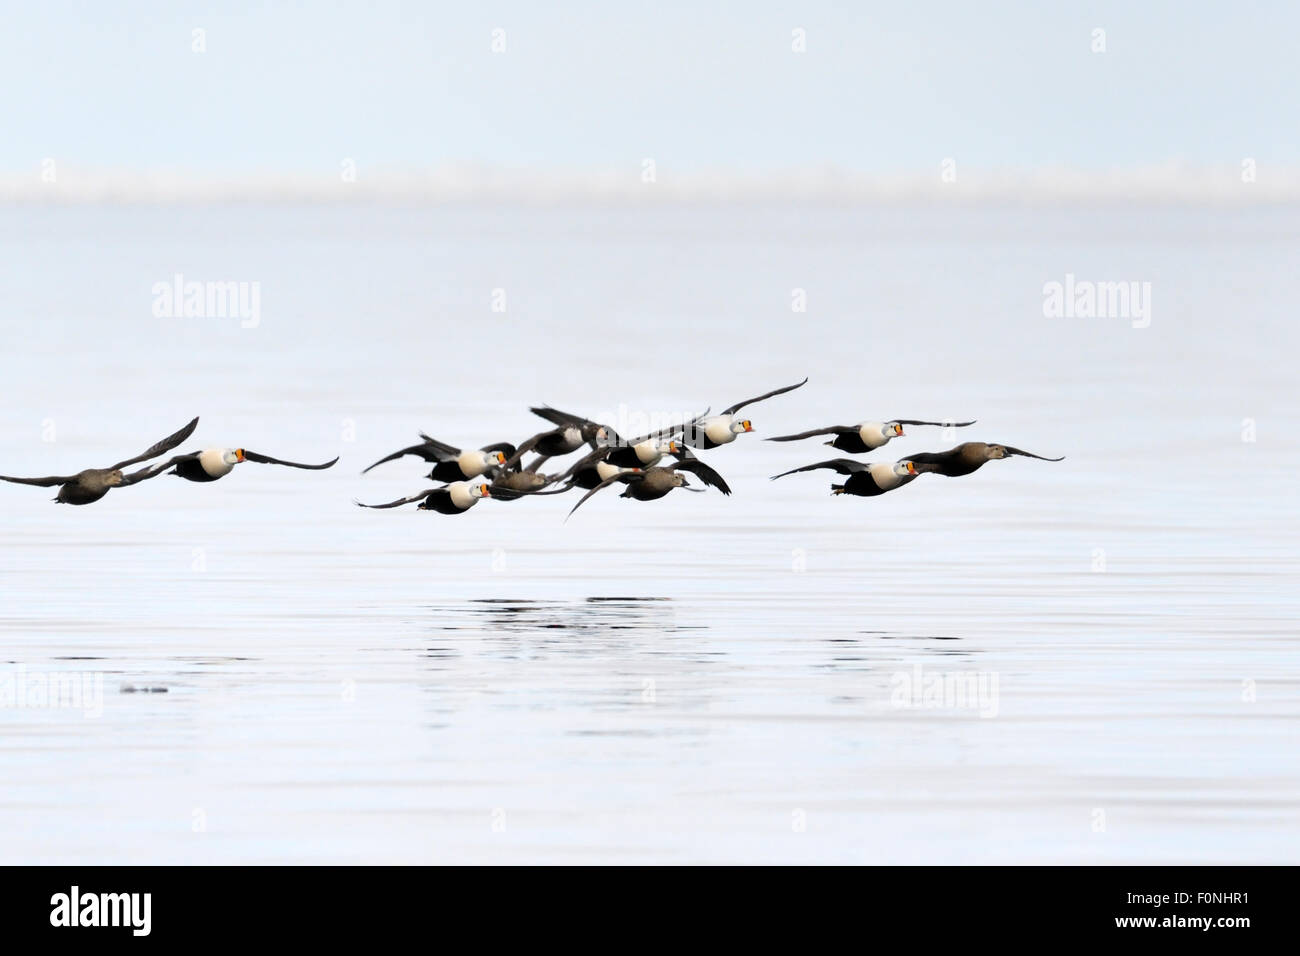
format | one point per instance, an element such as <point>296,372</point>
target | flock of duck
<point>498,470</point>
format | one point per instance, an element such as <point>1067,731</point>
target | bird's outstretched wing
<point>431,450</point>
<point>268,460</point>
<point>750,401</point>
<point>667,431</point>
<point>406,501</point>
<point>167,444</point>
<point>935,457</point>
<point>153,471</point>
<point>625,478</point>
<point>1028,454</point>
<point>828,430</point>
<point>557,417</point>
<point>916,421</point>
<point>706,474</point>
<point>527,445</point>
<point>49,482</point>
<point>845,466</point>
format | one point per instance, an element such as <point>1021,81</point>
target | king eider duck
<point>866,436</point>
<point>593,468</point>
<point>453,499</point>
<point>654,483</point>
<point>967,457</point>
<point>566,438</point>
<point>722,429</point>
<point>90,485</point>
<point>213,463</point>
<point>451,463</point>
<point>866,479</point>
<point>513,483</point>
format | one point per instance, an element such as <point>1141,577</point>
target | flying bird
<point>515,483</point>
<point>453,499</point>
<point>213,463</point>
<point>722,429</point>
<point>967,457</point>
<point>866,479</point>
<point>90,485</point>
<point>451,463</point>
<point>866,436</point>
<point>593,468</point>
<point>654,483</point>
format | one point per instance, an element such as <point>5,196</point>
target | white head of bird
<point>875,434</point>
<point>904,468</point>
<point>652,450</point>
<point>721,429</point>
<point>219,461</point>
<point>473,462</point>
<point>465,494</point>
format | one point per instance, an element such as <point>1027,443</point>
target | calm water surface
<point>288,678</point>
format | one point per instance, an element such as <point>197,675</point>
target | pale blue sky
<point>888,87</point>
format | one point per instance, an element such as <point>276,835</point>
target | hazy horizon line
<point>1169,182</point>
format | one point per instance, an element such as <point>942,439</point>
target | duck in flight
<point>722,429</point>
<point>866,479</point>
<point>88,486</point>
<point>653,483</point>
<point>451,463</point>
<point>453,499</point>
<point>513,482</point>
<point>968,457</point>
<point>866,436</point>
<point>213,463</point>
<point>570,434</point>
<point>638,452</point>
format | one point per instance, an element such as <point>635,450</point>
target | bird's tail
<point>837,489</point>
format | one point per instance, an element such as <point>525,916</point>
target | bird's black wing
<point>153,471</point>
<point>666,432</point>
<point>936,457</point>
<point>914,421</point>
<point>625,478</point>
<point>449,451</point>
<point>49,482</point>
<point>750,401</point>
<point>828,430</point>
<point>1028,454</point>
<point>527,445</point>
<point>706,474</point>
<point>268,460</point>
<point>845,466</point>
<point>406,501</point>
<point>557,417</point>
<point>430,450</point>
<point>167,444</point>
